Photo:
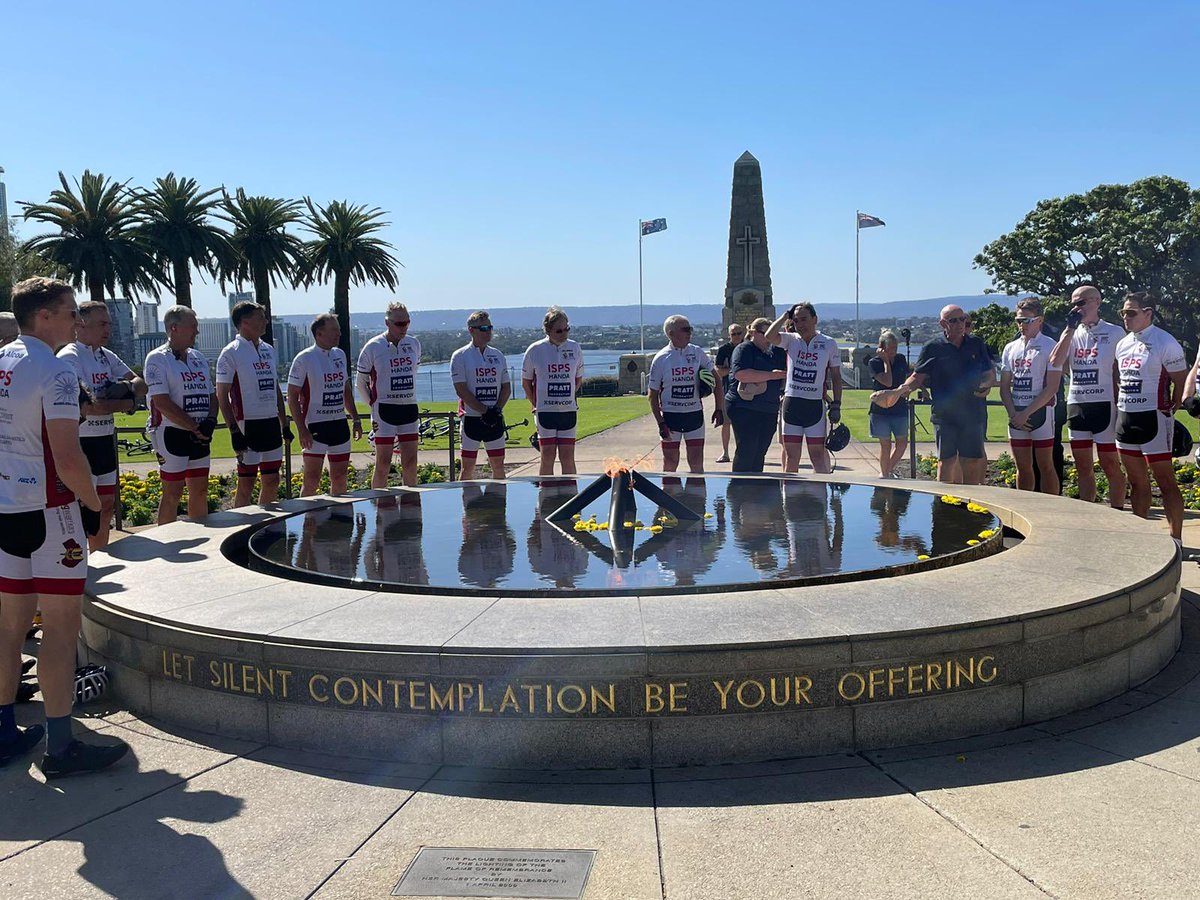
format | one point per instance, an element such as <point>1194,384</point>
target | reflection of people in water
<point>688,549</point>
<point>394,553</point>
<point>328,540</point>
<point>488,544</point>
<point>558,559</point>
<point>889,506</point>
<point>814,541</point>
<point>756,514</point>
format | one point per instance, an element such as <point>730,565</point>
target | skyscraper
<point>123,341</point>
<point>3,204</point>
<point>214,335</point>
<point>236,297</point>
<point>146,321</point>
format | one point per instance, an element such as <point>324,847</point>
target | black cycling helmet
<point>90,683</point>
<point>1181,444</point>
<point>838,438</point>
<point>534,441</point>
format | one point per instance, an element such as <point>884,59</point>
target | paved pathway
<point>1104,803</point>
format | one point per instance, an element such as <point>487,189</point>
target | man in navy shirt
<point>958,368</point>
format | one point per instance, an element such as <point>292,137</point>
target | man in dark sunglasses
<point>674,394</point>
<point>481,380</point>
<point>958,368</point>
<point>1029,379</point>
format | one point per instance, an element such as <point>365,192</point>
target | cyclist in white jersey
<point>675,392</point>
<point>320,396</point>
<point>250,400</point>
<point>550,375</point>
<point>113,389</point>
<point>182,415</point>
<point>1086,352</point>
<point>1152,369</point>
<point>43,549</point>
<point>814,360</point>
<point>481,380</point>
<point>1029,380</point>
<point>387,380</point>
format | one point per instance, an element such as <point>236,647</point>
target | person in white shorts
<point>1086,351</point>
<point>182,415</point>
<point>481,380</point>
<point>252,404</point>
<point>675,395</point>
<point>43,549</point>
<point>320,397</point>
<point>387,381</point>
<point>1151,369</point>
<point>550,375</point>
<point>1029,380</point>
<point>113,388</point>
<point>813,361</point>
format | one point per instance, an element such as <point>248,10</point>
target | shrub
<point>599,386</point>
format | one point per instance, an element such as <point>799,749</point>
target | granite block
<point>920,720</point>
<point>603,744</point>
<point>1151,655</point>
<point>219,713</point>
<point>1053,695</point>
<point>749,737</point>
<point>412,739</point>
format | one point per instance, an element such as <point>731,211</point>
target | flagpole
<point>857,234</point>
<point>641,322</point>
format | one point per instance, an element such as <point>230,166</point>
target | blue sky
<point>516,145</point>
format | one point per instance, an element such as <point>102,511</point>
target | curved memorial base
<point>1086,607</point>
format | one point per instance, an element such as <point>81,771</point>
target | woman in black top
<point>889,425</point>
<point>758,371</point>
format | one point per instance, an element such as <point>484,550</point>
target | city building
<point>289,341</point>
<point>147,341</point>
<point>146,321</point>
<point>124,340</point>
<point>236,297</point>
<point>214,335</point>
<point>3,203</point>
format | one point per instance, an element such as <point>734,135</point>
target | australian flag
<point>653,225</point>
<point>865,221</point>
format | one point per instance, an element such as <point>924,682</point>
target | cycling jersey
<point>252,375</point>
<point>1145,360</point>
<point>94,367</point>
<point>484,372</point>
<point>35,387</point>
<point>1093,348</point>
<point>321,377</point>
<point>808,363</point>
<point>1028,361</point>
<point>391,368</point>
<point>183,380</point>
<point>554,370</point>
<point>674,374</point>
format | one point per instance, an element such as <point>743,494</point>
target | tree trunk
<point>183,282</point>
<point>341,306</point>
<point>262,296</point>
<point>95,287</point>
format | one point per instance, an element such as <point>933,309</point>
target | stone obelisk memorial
<point>748,273</point>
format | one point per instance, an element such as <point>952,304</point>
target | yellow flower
<point>976,508</point>
<point>986,533</point>
<point>708,515</point>
<point>922,556</point>
<point>656,528</point>
<point>628,524</point>
<point>972,543</point>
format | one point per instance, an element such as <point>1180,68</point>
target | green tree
<point>18,262</point>
<point>345,249</point>
<point>1143,236</point>
<point>180,233</point>
<point>98,242</point>
<point>266,254</point>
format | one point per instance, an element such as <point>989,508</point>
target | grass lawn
<point>596,414</point>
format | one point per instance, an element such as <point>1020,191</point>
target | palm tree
<point>345,249</point>
<point>265,253</point>
<point>98,241</point>
<point>177,228</point>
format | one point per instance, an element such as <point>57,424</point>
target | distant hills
<point>699,313</point>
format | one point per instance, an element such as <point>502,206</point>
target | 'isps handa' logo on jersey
<point>72,553</point>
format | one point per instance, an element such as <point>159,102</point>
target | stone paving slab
<point>853,833</point>
<point>616,820</point>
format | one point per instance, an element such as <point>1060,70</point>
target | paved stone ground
<point>1102,803</point>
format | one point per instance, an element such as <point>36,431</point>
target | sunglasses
<point>562,330</point>
<point>737,333</point>
<point>403,324</point>
<point>1026,320</point>
<point>1126,313</point>
<point>484,328</point>
<point>687,328</point>
<point>954,320</point>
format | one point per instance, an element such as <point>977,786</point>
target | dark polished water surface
<point>495,537</point>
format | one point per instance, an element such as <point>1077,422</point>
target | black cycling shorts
<point>802,412</point>
<point>560,421</point>
<point>398,413</point>
<point>958,438</point>
<point>684,423</point>
<point>474,428</point>
<point>22,534</point>
<point>263,435</point>
<point>181,443</point>
<point>101,453</point>
<point>1137,427</point>
<point>1092,417</point>
<point>332,433</point>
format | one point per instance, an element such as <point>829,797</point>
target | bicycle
<point>135,448</point>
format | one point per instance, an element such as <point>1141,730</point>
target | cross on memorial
<point>747,243</point>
